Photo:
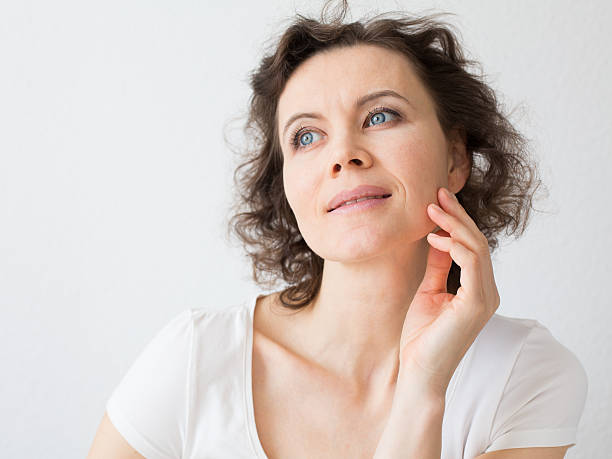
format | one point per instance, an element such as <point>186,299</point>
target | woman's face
<point>400,147</point>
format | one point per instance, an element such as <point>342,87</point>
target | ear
<point>459,161</point>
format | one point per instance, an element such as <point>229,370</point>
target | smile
<point>370,202</point>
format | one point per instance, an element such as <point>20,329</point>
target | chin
<point>354,248</point>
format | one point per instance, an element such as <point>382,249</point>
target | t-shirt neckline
<point>248,381</point>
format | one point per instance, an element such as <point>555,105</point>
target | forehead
<point>339,76</point>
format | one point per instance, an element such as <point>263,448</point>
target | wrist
<point>413,383</point>
<point>417,403</point>
<point>414,426</point>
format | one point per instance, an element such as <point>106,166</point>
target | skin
<point>376,259</point>
<point>382,268</point>
<point>382,320</point>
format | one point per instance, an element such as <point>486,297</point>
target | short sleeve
<point>544,396</point>
<point>149,407</point>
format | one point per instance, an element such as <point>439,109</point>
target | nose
<point>350,158</point>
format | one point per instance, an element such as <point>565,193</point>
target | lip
<point>361,206</point>
<point>361,191</point>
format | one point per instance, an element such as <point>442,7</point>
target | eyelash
<point>299,131</point>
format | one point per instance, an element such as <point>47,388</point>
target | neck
<point>353,326</point>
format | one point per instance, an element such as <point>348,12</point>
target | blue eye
<point>380,116</point>
<point>375,115</point>
<point>303,135</point>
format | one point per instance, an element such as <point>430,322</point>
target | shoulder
<point>518,387</point>
<point>543,392</point>
<point>526,356</point>
<point>515,362</point>
<point>147,406</point>
<point>526,343</point>
<point>516,337</point>
<point>506,333</point>
<point>151,404</point>
<point>224,323</point>
<point>546,371</point>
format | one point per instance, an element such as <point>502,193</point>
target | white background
<point>115,179</point>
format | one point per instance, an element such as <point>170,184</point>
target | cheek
<point>299,189</point>
<point>420,169</point>
<point>289,187</point>
<point>417,163</point>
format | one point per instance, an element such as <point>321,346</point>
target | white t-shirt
<point>189,394</point>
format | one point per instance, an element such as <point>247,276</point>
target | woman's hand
<point>439,326</point>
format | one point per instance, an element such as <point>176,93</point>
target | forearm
<point>414,428</point>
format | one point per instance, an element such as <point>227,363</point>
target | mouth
<point>357,201</point>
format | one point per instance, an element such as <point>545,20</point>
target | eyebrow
<point>358,103</point>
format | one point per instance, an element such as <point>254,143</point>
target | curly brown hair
<point>503,179</point>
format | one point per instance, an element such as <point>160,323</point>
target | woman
<point>386,343</point>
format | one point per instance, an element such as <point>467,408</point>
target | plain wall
<point>115,179</point>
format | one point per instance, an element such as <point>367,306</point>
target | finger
<point>456,228</point>
<point>468,261</point>
<point>488,287</point>
<point>436,270</point>
<point>478,244</point>
<point>451,205</point>
<point>468,234</point>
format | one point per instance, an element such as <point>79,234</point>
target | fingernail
<point>449,194</point>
